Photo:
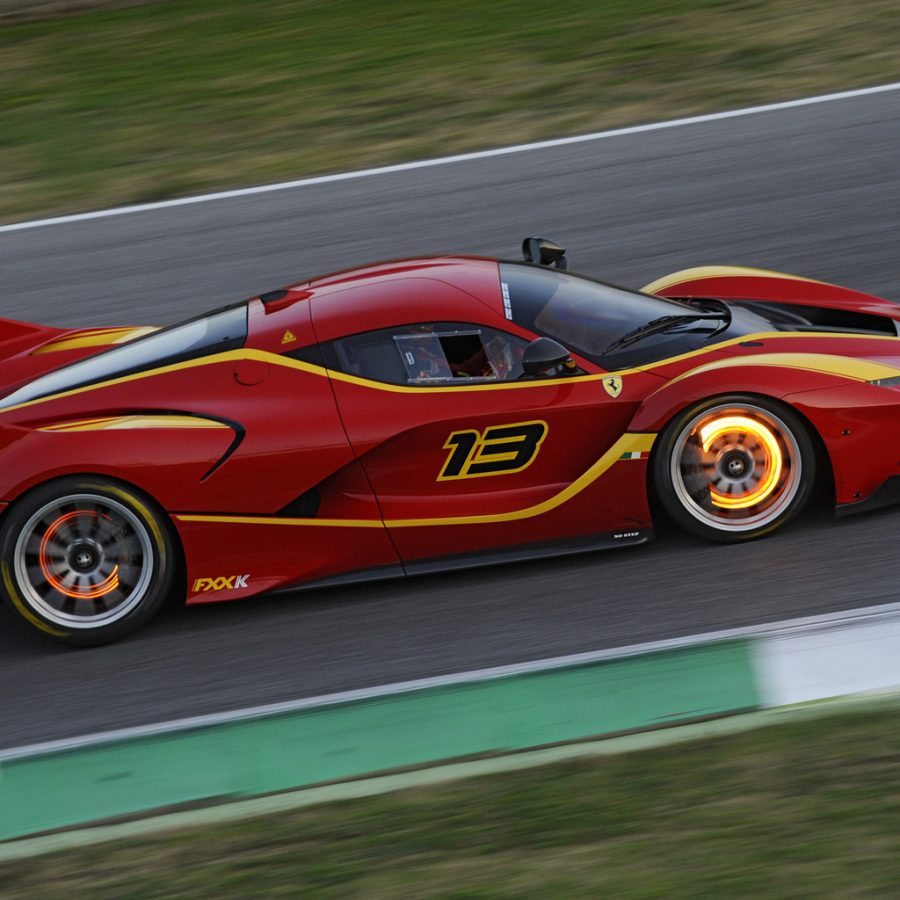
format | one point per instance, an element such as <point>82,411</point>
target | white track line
<point>770,629</point>
<point>446,160</point>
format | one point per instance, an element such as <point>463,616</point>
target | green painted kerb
<point>352,739</point>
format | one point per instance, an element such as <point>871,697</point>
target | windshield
<point>587,316</point>
<point>214,333</point>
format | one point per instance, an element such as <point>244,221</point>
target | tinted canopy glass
<point>584,315</point>
<point>430,353</point>
<point>214,333</point>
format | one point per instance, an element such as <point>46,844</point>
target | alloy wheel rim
<point>736,467</point>
<point>84,561</point>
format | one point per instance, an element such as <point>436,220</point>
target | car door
<point>466,458</point>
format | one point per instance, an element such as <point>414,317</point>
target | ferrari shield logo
<point>613,385</point>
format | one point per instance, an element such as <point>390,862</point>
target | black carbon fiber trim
<point>306,506</point>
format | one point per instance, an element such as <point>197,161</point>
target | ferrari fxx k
<point>424,414</point>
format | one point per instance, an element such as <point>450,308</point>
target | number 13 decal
<point>498,450</point>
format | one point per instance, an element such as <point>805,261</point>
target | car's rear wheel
<point>86,561</point>
<point>734,468</point>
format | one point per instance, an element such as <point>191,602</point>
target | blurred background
<point>143,101</point>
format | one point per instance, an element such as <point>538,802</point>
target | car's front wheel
<point>86,561</point>
<point>734,468</point>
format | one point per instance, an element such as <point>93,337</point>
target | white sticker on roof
<point>507,308</point>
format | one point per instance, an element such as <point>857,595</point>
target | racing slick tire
<point>85,560</point>
<point>734,468</point>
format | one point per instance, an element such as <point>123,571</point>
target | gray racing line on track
<point>813,190</point>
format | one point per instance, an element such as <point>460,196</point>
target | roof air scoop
<point>544,252</point>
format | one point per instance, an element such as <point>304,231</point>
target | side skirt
<point>888,494</point>
<point>520,553</point>
<point>568,547</point>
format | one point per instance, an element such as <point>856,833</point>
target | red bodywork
<point>369,454</point>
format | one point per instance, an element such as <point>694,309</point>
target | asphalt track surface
<point>814,190</point>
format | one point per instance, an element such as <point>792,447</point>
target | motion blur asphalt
<point>814,191</point>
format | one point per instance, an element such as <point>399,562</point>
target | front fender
<point>859,424</point>
<point>726,377</point>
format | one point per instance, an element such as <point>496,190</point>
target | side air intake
<point>306,506</point>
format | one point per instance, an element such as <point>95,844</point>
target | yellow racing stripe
<point>628,443</point>
<point>274,359</point>
<point>702,273</point>
<point>842,366</point>
<point>95,337</point>
<point>124,423</point>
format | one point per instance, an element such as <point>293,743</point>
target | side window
<point>432,354</point>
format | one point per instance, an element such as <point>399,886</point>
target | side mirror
<point>545,252</point>
<point>544,353</point>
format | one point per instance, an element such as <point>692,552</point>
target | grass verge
<point>804,809</point>
<point>145,103</point>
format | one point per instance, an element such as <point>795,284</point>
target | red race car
<point>426,414</point>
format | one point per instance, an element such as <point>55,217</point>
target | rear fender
<point>167,464</point>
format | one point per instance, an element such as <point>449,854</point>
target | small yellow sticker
<point>288,337</point>
<point>612,384</point>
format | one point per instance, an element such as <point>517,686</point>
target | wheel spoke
<point>79,548</point>
<point>749,462</point>
<point>54,541</point>
<point>84,523</point>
